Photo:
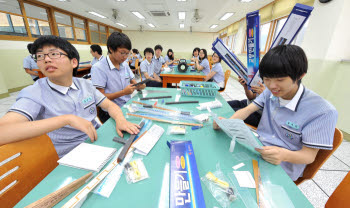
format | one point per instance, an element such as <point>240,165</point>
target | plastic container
<point>199,89</point>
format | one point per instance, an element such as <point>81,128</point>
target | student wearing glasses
<point>112,75</point>
<point>216,74</point>
<point>59,105</point>
<point>202,64</point>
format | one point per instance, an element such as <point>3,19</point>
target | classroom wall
<point>182,43</point>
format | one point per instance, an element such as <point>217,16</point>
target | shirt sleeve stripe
<point>26,114</point>
<point>99,86</point>
<point>256,103</point>
<point>326,147</point>
<point>101,101</point>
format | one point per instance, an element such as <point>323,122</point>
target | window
<point>264,36</point>
<point>234,41</point>
<point>279,26</point>
<point>11,19</point>
<point>79,29</point>
<point>37,20</point>
<point>64,26</point>
<point>230,42</point>
<point>98,33</point>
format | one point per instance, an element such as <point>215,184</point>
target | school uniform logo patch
<point>92,110</point>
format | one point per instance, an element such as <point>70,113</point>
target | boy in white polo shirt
<point>295,122</point>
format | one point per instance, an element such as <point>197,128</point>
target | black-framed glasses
<point>52,55</point>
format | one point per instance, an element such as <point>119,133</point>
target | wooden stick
<point>55,197</point>
<point>256,177</point>
<point>154,106</point>
<point>166,121</point>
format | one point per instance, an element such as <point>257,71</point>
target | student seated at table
<point>112,75</point>
<point>169,58</point>
<point>96,52</point>
<point>217,73</point>
<point>147,69</point>
<point>195,54</point>
<point>59,105</point>
<point>135,55</point>
<point>296,122</point>
<point>158,60</point>
<point>202,64</point>
<point>29,64</point>
<point>254,118</point>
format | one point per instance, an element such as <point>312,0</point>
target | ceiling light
<point>120,24</point>
<point>182,25</point>
<point>151,25</point>
<point>137,14</point>
<point>182,15</point>
<point>181,0</point>
<point>121,0</point>
<point>226,16</point>
<point>97,14</point>
<point>245,1</point>
<point>63,0</point>
<point>213,26</point>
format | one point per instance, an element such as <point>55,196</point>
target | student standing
<point>295,122</point>
<point>59,105</point>
<point>29,64</point>
<point>112,75</point>
<point>147,69</point>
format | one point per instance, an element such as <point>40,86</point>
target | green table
<point>175,77</point>
<point>210,147</point>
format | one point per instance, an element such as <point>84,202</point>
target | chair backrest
<point>321,157</point>
<point>137,64</point>
<point>227,76</point>
<point>139,70</point>
<point>23,165</point>
<point>340,196</point>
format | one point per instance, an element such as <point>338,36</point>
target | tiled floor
<point>316,190</point>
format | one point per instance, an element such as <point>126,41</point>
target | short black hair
<point>218,56</point>
<point>172,55</point>
<point>148,50</point>
<point>118,40</point>
<point>60,43</point>
<point>134,50</point>
<point>29,47</point>
<point>158,47</point>
<point>195,49</point>
<point>205,54</point>
<point>97,48</point>
<point>284,61</point>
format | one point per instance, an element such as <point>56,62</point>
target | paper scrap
<point>245,179</point>
<point>146,142</point>
<point>238,166</point>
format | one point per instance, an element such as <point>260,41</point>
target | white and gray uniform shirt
<point>45,99</point>
<point>29,63</point>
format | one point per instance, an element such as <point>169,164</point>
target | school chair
<point>140,73</point>
<point>321,157</point>
<point>210,65</point>
<point>40,74</point>
<point>23,165</point>
<point>227,76</point>
<point>340,197</point>
<point>136,70</point>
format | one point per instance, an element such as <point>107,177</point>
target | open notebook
<point>88,156</point>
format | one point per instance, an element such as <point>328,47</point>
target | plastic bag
<point>135,171</point>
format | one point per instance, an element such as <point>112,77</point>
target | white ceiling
<point>210,12</point>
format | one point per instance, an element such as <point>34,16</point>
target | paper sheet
<point>144,145</point>
<point>245,179</point>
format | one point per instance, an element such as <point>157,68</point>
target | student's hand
<point>129,89</point>
<point>258,89</point>
<point>215,125</point>
<point>124,125</point>
<point>242,82</point>
<point>82,125</point>
<point>272,154</point>
<point>141,87</point>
